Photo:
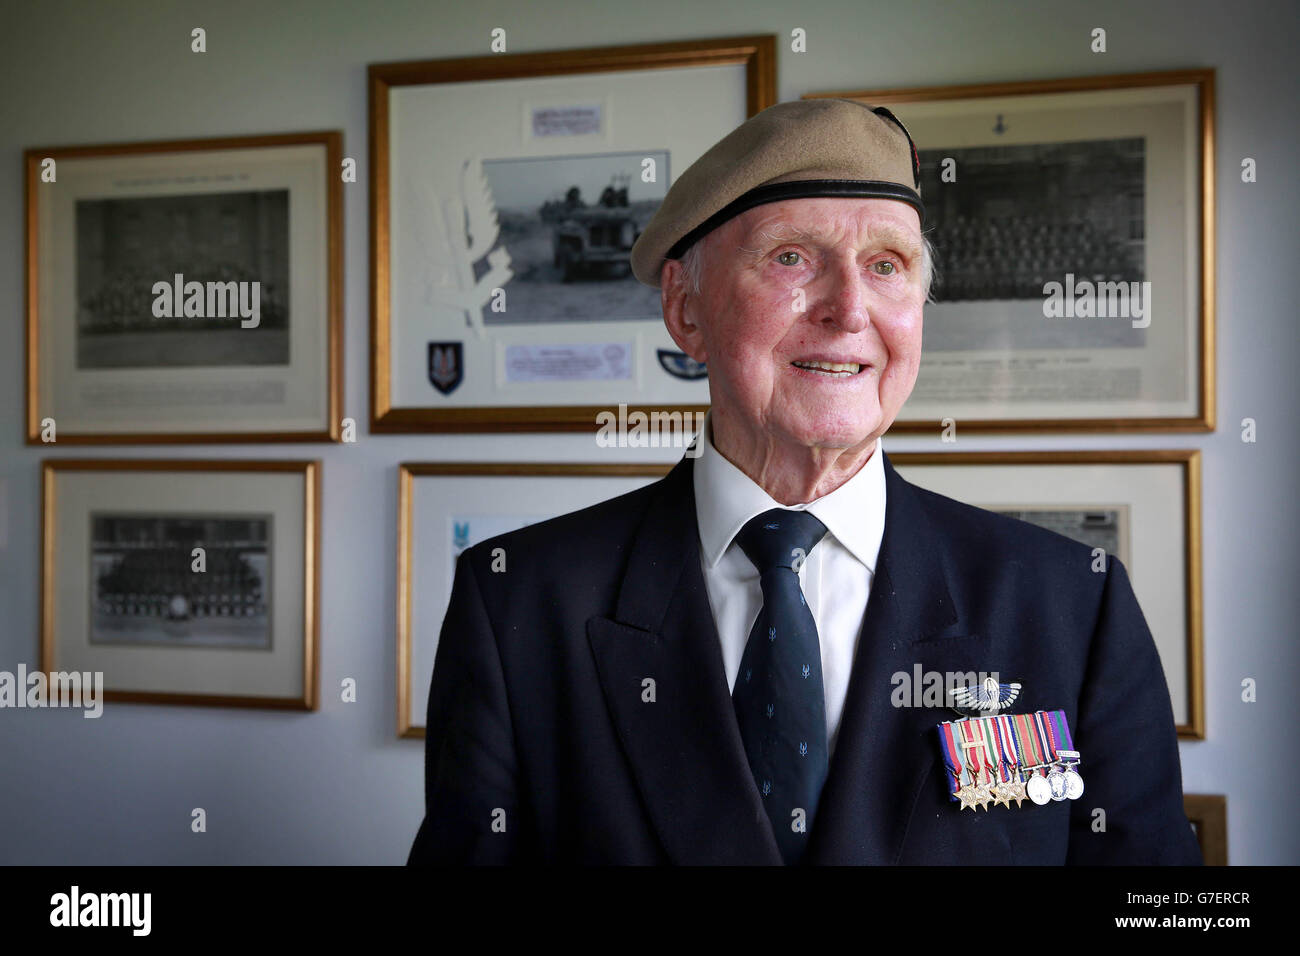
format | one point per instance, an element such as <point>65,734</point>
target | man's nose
<point>846,297</point>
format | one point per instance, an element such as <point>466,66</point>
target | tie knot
<point>779,538</point>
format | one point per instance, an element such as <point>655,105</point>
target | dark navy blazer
<point>541,746</point>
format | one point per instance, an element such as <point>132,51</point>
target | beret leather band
<point>798,189</point>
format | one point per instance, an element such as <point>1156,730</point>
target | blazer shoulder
<point>995,537</point>
<point>1009,575</point>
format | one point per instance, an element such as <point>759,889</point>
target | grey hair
<point>693,267</point>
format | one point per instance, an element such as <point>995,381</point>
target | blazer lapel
<point>883,754</point>
<point>683,745</point>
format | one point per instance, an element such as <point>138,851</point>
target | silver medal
<point>1073,784</point>
<point>1039,790</point>
<point>1056,783</point>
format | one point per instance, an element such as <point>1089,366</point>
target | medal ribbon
<point>1061,730</point>
<point>973,751</point>
<point>1049,745</point>
<point>1010,758</point>
<point>951,757</point>
<point>1021,748</point>
<point>992,750</point>
<point>1029,739</point>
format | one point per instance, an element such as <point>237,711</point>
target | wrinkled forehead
<point>823,222</point>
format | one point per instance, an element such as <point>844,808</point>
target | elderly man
<point>702,671</point>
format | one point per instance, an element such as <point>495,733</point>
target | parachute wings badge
<point>985,698</point>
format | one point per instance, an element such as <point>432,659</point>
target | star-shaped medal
<point>967,797</point>
<point>1002,794</point>
<point>1017,788</point>
<point>983,796</point>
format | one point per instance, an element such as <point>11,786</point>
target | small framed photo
<point>185,291</point>
<point>1142,506</point>
<point>1073,224</point>
<point>1208,815</point>
<point>506,194</point>
<point>184,582</point>
<point>443,509</point>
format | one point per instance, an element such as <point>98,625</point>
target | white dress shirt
<point>836,577</point>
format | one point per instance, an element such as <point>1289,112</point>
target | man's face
<point>790,284</point>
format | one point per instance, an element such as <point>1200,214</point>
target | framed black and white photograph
<point>446,507</point>
<point>184,581</point>
<point>565,222</point>
<point>1073,225</point>
<point>1141,506</point>
<point>145,589</point>
<point>506,194</point>
<point>185,291</point>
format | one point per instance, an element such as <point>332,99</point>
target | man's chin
<point>839,437</point>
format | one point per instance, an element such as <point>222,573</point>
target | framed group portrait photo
<point>506,194</point>
<point>184,581</point>
<point>185,291</point>
<point>1073,224</point>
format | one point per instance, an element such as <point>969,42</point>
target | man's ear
<point>681,307</point>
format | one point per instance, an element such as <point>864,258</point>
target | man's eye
<point>884,267</point>
<point>789,258</point>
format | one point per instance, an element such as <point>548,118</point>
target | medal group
<point>998,759</point>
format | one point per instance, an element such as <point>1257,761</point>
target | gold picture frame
<point>71,373</point>
<point>400,399</point>
<point>414,658</point>
<point>1063,119</point>
<point>225,634</point>
<point>1208,815</point>
<point>1142,502</point>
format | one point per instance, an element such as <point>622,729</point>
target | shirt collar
<point>726,498</point>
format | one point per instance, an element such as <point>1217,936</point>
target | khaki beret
<point>796,150</point>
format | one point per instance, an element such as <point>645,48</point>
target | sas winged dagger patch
<point>446,365</point>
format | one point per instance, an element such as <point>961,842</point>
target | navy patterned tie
<point>779,700</point>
